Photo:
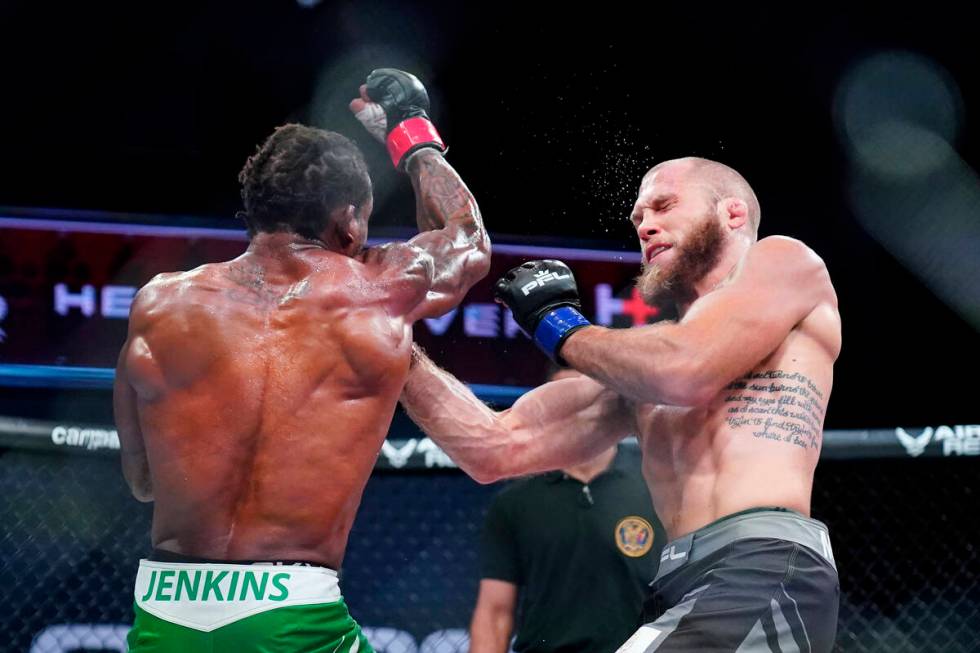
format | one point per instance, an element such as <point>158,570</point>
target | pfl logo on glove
<point>541,278</point>
<point>552,314</point>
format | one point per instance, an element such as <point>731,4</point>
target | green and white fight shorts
<point>207,607</point>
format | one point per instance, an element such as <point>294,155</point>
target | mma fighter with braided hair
<point>252,396</point>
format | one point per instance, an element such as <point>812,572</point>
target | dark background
<point>552,116</point>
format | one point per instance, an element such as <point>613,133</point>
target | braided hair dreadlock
<point>297,177</point>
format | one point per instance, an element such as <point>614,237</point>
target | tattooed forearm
<point>441,196</point>
<point>777,405</point>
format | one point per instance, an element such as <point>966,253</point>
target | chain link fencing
<point>905,535</point>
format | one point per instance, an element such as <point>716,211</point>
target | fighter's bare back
<point>252,396</point>
<point>266,384</point>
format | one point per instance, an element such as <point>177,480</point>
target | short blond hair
<point>723,181</point>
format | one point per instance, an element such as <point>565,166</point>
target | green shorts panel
<point>318,628</point>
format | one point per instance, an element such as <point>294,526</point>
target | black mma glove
<point>406,105</point>
<point>544,300</point>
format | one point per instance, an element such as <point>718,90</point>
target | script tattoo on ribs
<point>778,406</point>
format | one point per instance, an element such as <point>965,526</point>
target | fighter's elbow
<point>507,457</point>
<point>142,492</point>
<point>138,479</point>
<point>483,474</point>
<point>487,469</point>
<point>144,497</point>
<point>483,263</point>
<point>478,263</point>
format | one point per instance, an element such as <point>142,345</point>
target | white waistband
<point>206,596</point>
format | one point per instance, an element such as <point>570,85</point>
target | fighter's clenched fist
<point>544,300</point>
<point>393,107</point>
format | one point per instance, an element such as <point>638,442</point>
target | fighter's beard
<point>695,258</point>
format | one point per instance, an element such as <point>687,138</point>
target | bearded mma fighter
<point>252,396</point>
<point>727,402</point>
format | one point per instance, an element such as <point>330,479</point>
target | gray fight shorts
<point>761,580</point>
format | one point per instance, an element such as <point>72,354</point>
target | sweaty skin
<point>728,402</point>
<point>252,396</point>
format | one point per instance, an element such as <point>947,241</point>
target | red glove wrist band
<point>408,135</point>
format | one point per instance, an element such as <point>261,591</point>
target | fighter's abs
<point>756,443</point>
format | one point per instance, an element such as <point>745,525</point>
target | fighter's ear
<point>735,212</point>
<point>342,215</point>
<point>343,222</point>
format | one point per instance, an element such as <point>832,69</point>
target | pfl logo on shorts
<point>634,536</point>
<point>542,277</point>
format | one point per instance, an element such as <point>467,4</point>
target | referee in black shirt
<point>576,549</point>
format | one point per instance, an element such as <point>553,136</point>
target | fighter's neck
<point>726,268</point>
<point>284,246</point>
<point>282,243</point>
<point>287,253</point>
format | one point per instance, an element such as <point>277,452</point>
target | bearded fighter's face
<point>680,232</point>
